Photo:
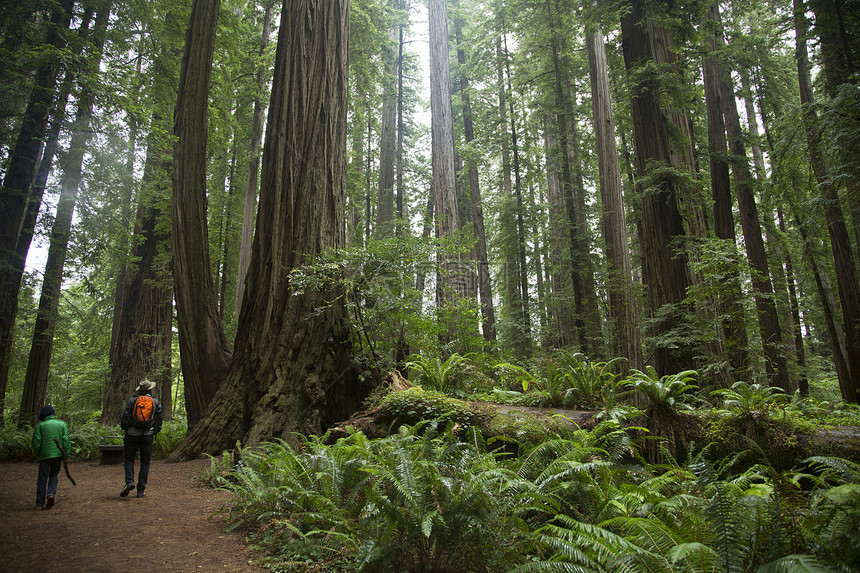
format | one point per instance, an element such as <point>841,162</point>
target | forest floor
<point>175,528</point>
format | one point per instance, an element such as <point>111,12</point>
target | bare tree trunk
<point>560,306</point>
<point>16,192</point>
<point>622,297</point>
<point>250,202</point>
<point>146,315</point>
<point>840,242</point>
<point>39,362</point>
<point>768,318</point>
<point>292,369</point>
<point>388,139</point>
<point>665,269</point>
<point>202,344</point>
<point>450,284</point>
<point>488,313</point>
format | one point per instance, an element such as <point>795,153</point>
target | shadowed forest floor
<point>91,528</point>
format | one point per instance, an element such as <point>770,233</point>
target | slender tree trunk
<point>16,192</point>
<point>202,345</point>
<point>665,269</point>
<point>794,305</point>
<point>525,318</point>
<point>488,313</point>
<point>388,140</point>
<point>768,318</point>
<point>512,308</point>
<point>292,369</point>
<point>560,304</point>
<point>16,268</point>
<point>39,362</point>
<point>622,297</point>
<point>840,242</point>
<point>250,203</point>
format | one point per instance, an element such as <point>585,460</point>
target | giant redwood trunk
<point>291,370</point>
<point>145,317</point>
<point>622,295</point>
<point>665,270</point>
<point>202,344</point>
<point>388,138</point>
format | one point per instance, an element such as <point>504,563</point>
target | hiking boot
<point>128,487</point>
<point>140,493</point>
<point>50,503</point>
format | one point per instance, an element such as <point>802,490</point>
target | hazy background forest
<point>670,183</point>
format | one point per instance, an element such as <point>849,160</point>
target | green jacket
<point>43,438</point>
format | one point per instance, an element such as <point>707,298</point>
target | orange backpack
<point>143,412</point>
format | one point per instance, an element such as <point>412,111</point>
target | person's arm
<point>65,439</point>
<point>125,419</point>
<point>36,442</point>
<point>157,423</point>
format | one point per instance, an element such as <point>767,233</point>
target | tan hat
<point>145,386</point>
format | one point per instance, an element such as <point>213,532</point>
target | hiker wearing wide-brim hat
<point>141,421</point>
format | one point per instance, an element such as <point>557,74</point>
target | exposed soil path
<point>91,528</point>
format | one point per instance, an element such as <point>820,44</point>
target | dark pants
<point>132,444</point>
<point>47,481</point>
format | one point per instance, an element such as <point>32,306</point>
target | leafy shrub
<point>15,444</point>
<point>171,435</point>
<point>86,439</point>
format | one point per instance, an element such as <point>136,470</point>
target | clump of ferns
<point>581,469</point>
<point>668,401</point>
<point>441,504</point>
<point>303,502</point>
<point>757,413</point>
<point>689,520</point>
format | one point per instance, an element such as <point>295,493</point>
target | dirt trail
<point>91,528</point>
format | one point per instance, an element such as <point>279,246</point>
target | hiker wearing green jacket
<point>50,456</point>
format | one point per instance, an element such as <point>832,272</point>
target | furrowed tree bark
<point>625,340</point>
<point>41,351</point>
<point>388,138</point>
<point>202,344</point>
<point>292,368</point>
<point>665,269</point>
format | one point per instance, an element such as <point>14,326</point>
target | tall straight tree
<point>622,296</point>
<point>768,319</point>
<point>202,345</point>
<point>721,194</point>
<point>292,368</point>
<point>250,203</point>
<point>840,242</point>
<point>145,316</point>
<point>488,314</point>
<point>447,212</point>
<point>16,190</point>
<point>388,136</point>
<point>39,362</point>
<point>648,46</point>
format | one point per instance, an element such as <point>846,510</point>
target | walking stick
<point>65,462</point>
